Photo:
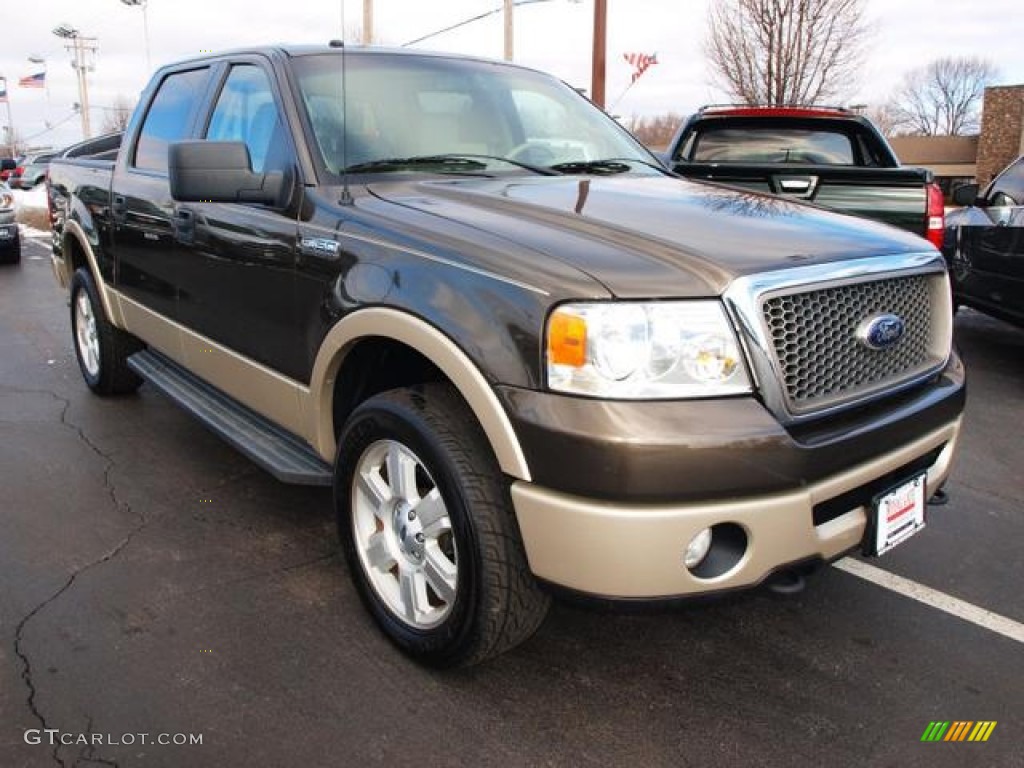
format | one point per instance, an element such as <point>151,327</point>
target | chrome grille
<point>814,335</point>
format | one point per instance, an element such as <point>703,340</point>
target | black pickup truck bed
<point>830,157</point>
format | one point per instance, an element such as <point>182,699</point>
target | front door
<point>238,270</point>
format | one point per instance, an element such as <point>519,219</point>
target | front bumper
<point>619,489</point>
<point>635,551</point>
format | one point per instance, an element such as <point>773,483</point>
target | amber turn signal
<point>567,340</point>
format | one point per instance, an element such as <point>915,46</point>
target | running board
<point>279,452</point>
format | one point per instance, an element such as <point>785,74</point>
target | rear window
<point>772,145</point>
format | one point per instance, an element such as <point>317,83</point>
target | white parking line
<point>952,605</point>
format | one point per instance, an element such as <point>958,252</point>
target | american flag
<point>640,62</point>
<point>38,80</point>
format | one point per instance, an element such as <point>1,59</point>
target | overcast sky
<point>553,35</point>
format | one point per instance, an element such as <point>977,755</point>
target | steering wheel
<point>534,154</point>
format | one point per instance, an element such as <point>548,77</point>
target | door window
<point>246,112</point>
<point>169,118</point>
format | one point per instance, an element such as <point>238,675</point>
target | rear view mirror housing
<point>966,194</point>
<point>221,172</point>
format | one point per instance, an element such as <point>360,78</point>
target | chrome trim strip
<point>744,300</point>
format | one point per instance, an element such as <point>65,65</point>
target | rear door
<point>146,251</point>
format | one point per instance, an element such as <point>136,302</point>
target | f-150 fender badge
<point>319,246</point>
<point>881,331</point>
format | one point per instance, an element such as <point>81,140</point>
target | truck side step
<point>279,452</point>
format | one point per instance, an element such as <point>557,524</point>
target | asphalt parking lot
<point>153,581</point>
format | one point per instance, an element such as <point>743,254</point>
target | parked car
<point>527,357</point>
<point>10,238</point>
<point>31,170</point>
<point>7,166</point>
<point>825,155</point>
<point>984,245</point>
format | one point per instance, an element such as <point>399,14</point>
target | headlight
<point>644,351</point>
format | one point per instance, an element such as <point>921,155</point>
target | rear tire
<point>427,526</point>
<point>101,348</point>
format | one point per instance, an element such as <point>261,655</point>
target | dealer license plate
<point>897,515</point>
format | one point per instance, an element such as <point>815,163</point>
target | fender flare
<point>403,327</point>
<point>73,231</point>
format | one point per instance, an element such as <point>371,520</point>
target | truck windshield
<point>410,107</point>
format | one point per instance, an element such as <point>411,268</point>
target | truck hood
<point>643,236</point>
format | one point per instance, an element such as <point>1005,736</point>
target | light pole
<point>143,4</point>
<point>367,21</point>
<point>79,47</point>
<point>600,50</point>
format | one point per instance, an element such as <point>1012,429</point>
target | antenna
<point>346,193</point>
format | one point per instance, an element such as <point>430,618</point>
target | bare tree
<point>116,117</point>
<point>942,98</point>
<point>655,131</point>
<point>786,51</point>
<point>884,117</point>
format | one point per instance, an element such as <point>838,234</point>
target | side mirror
<point>966,194</point>
<point>221,172</point>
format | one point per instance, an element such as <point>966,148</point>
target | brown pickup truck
<point>527,358</point>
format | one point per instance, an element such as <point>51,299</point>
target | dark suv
<point>984,245</point>
<point>10,239</point>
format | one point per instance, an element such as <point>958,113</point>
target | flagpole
<point>622,95</point>
<point>10,117</point>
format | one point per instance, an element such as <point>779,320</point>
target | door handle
<point>184,225</point>
<point>119,206</point>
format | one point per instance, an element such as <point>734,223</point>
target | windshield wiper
<point>607,167</point>
<point>461,163</point>
<point>443,163</point>
<point>596,167</point>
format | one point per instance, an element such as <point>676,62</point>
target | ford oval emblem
<point>881,331</point>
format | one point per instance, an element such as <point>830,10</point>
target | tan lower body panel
<point>265,391</point>
<point>616,550</point>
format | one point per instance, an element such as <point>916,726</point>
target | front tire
<point>13,253</point>
<point>102,349</point>
<point>427,526</point>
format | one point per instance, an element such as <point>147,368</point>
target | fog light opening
<point>697,549</point>
<point>715,551</point>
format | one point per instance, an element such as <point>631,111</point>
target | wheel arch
<point>78,252</point>
<point>395,327</point>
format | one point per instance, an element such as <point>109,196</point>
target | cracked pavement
<point>152,580</point>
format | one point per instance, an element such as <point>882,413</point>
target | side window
<point>168,118</point>
<point>246,112</point>
<point>1008,188</point>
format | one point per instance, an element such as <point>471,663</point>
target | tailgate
<point>896,196</point>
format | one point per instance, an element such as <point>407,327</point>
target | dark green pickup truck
<point>828,156</point>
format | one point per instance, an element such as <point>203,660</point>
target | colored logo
<point>881,331</point>
<point>959,730</point>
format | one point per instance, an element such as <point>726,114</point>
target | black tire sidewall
<point>379,419</point>
<point>82,282</point>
